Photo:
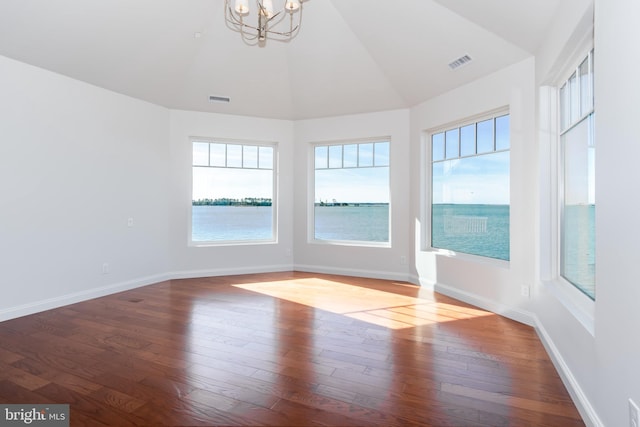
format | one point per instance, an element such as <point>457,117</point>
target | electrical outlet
<point>525,291</point>
<point>403,260</point>
<point>634,414</point>
<point>129,222</point>
<point>106,268</point>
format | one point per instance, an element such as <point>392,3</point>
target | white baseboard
<point>56,302</point>
<point>586,410</point>
<point>194,274</point>
<point>512,313</point>
<point>72,298</point>
<point>371,274</point>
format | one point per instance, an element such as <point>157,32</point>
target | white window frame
<point>311,191</point>
<point>581,306</point>
<point>427,191</point>
<point>274,200</point>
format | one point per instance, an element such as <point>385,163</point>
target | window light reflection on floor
<point>382,308</point>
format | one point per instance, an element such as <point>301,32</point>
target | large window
<point>233,192</point>
<point>470,188</point>
<point>352,192</point>
<point>577,153</point>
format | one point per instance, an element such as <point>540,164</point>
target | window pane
<point>217,155</point>
<point>468,140</point>
<point>221,195</point>
<point>234,156</point>
<point>586,98</point>
<point>564,107</point>
<point>578,219</point>
<point>350,155</point>
<point>201,154</point>
<point>352,204</point>
<point>502,133</point>
<point>437,144</point>
<point>452,138</point>
<point>335,156</point>
<point>365,155</point>
<point>322,157</point>
<point>381,153</point>
<point>265,155</point>
<point>249,156</point>
<point>485,136</point>
<point>352,196</point>
<point>470,205</point>
<point>574,98</point>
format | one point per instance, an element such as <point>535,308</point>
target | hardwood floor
<point>283,349</point>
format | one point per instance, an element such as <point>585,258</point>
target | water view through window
<point>470,188</point>
<point>232,193</point>
<point>352,192</point>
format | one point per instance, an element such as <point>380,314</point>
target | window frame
<point>575,301</point>
<point>311,232</point>
<point>427,179</point>
<point>274,200</point>
<point>562,130</point>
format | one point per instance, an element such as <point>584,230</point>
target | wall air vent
<point>460,62</point>
<point>214,98</point>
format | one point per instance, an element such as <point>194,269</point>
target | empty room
<point>319,212</point>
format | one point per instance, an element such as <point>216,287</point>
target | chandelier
<point>255,25</point>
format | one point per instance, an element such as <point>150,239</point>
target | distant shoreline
<point>247,201</point>
<point>352,204</point>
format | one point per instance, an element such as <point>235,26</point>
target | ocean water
<point>472,229</point>
<point>580,247</point>
<point>229,223</point>
<point>368,223</point>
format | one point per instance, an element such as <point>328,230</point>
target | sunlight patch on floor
<point>382,308</point>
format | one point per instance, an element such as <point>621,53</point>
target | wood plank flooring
<point>282,349</point>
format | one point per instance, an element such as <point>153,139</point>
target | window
<point>233,192</point>
<point>352,192</point>
<point>577,204</point>
<point>470,188</point>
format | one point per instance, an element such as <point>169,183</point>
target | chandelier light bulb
<point>242,7</point>
<point>267,8</point>
<point>292,5</point>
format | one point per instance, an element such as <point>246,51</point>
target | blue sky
<point>359,173</point>
<point>352,173</point>
<point>242,171</point>
<point>471,163</point>
<point>482,179</point>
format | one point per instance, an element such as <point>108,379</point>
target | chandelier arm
<point>292,29</point>
<point>237,24</point>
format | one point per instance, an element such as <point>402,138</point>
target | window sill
<point>231,243</point>
<point>578,304</point>
<point>478,259</point>
<point>358,243</point>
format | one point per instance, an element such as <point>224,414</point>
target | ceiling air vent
<point>460,62</point>
<point>213,98</point>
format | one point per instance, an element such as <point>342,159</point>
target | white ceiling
<point>351,56</point>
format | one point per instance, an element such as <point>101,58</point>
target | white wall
<point>189,261</point>
<point>76,162</point>
<point>495,284</point>
<point>617,133</point>
<point>352,260</point>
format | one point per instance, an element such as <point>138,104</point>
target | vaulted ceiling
<point>351,56</point>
